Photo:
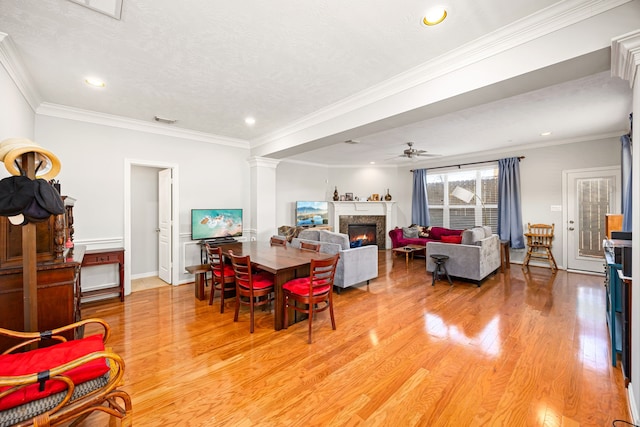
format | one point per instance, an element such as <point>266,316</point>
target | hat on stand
<point>12,149</point>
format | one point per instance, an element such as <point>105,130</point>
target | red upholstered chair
<point>222,275</point>
<point>252,289</point>
<point>62,383</point>
<point>314,293</point>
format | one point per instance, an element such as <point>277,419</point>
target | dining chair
<point>312,294</point>
<point>539,238</point>
<point>252,289</point>
<point>222,275</point>
<point>278,241</point>
<point>308,246</point>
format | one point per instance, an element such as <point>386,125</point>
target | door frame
<point>565,207</point>
<point>175,214</point>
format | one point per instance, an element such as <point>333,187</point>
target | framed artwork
<point>342,198</point>
<point>348,197</point>
<point>375,197</point>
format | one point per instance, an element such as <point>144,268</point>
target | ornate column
<point>263,197</point>
<point>625,63</point>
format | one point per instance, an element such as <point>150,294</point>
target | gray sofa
<point>356,265</point>
<point>475,258</point>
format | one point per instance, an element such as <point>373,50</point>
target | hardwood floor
<point>521,350</point>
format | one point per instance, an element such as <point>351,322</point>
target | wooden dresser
<point>57,271</point>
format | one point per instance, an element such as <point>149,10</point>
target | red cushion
<point>42,359</point>
<point>438,232</point>
<point>260,280</point>
<point>227,271</point>
<point>451,239</point>
<point>300,286</point>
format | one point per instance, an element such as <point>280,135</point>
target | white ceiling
<point>210,64</point>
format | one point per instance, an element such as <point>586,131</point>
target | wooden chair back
<point>278,241</point>
<point>308,246</point>
<point>222,277</point>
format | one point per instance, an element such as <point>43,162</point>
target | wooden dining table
<point>284,262</point>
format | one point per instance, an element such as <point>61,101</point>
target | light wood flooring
<point>521,350</point>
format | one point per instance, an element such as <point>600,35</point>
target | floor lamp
<point>466,196</point>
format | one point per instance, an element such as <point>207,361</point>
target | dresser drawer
<point>101,258</point>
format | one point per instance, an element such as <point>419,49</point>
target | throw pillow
<point>424,232</point>
<point>452,239</point>
<point>410,232</point>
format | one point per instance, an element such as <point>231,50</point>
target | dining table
<point>284,262</point>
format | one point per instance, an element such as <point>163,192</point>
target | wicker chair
<point>63,382</point>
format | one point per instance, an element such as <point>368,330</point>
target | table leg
<point>199,285</point>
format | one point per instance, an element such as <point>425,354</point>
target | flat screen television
<point>312,213</point>
<point>215,223</point>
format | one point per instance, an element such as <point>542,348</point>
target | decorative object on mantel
<point>375,197</point>
<point>348,197</point>
<point>336,197</point>
<point>387,197</point>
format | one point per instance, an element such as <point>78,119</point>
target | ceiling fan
<point>411,153</point>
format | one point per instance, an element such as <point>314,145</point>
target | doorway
<point>589,195</point>
<point>170,249</point>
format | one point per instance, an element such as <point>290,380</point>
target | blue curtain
<point>626,182</point>
<point>509,207</point>
<point>419,202</point>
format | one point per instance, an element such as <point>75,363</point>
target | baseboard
<point>144,275</point>
<point>631,402</point>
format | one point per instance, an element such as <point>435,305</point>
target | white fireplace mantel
<point>387,209</point>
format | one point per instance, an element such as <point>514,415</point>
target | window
<point>448,211</point>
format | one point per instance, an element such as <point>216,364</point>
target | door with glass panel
<point>590,195</point>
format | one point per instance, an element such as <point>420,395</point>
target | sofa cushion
<point>309,234</point>
<point>410,232</point>
<point>472,235</point>
<point>42,359</point>
<point>487,231</point>
<point>436,233</point>
<point>331,237</point>
<point>451,239</point>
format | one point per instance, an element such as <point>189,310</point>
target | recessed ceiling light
<point>372,163</point>
<point>250,121</point>
<point>95,82</point>
<point>434,16</point>
<point>547,133</point>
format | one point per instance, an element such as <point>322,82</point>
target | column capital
<point>263,162</point>
<point>625,56</point>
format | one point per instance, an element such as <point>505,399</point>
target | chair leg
<point>552,260</point>
<point>286,312</point>
<point>251,309</point>
<point>213,289</point>
<point>310,322</point>
<point>235,316</point>
<point>333,319</point>
<point>222,296</point>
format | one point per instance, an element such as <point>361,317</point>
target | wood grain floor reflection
<point>521,350</point>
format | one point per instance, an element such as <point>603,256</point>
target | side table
<point>505,262</point>
<point>200,272</point>
<point>102,257</point>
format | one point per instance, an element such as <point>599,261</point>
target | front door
<point>590,195</point>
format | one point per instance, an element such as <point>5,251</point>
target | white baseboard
<point>631,401</point>
<point>144,275</point>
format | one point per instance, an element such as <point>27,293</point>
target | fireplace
<point>362,234</point>
<point>383,214</point>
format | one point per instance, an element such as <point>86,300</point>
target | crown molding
<point>11,61</point>
<point>64,112</point>
<point>544,22</point>
<point>264,162</point>
<point>625,56</point>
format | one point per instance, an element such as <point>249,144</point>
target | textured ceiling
<point>210,64</point>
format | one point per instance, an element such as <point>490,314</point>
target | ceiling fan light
<point>434,16</point>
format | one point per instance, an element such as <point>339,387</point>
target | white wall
<point>16,116</point>
<point>93,158</point>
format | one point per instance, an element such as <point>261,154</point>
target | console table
<point>102,257</point>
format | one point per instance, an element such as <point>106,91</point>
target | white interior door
<point>591,194</point>
<point>164,223</point>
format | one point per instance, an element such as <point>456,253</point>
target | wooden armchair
<point>63,382</point>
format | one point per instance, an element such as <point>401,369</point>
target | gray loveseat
<point>356,265</point>
<point>475,258</point>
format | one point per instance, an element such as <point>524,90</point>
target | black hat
<point>48,197</point>
<point>35,213</point>
<point>16,193</point>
